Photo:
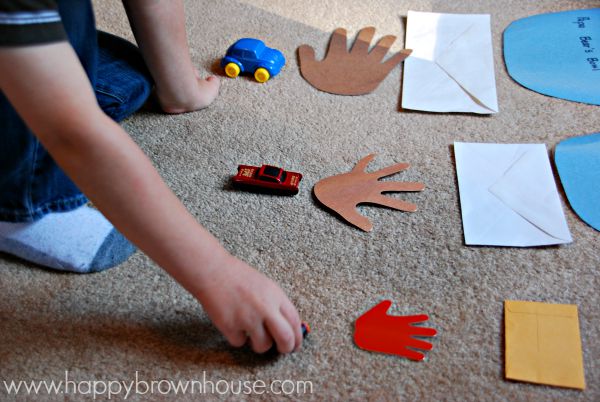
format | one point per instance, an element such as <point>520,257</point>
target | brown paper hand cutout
<point>354,72</point>
<point>345,191</point>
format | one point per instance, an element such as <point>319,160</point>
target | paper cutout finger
<point>343,192</point>
<point>354,72</point>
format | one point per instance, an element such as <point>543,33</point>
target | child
<point>60,81</point>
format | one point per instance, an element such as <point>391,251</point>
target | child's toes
<point>209,89</point>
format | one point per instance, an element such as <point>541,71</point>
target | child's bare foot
<point>199,97</point>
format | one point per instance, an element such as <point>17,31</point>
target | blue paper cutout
<point>557,54</point>
<point>578,163</point>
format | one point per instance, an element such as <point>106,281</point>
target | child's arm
<point>49,89</point>
<point>159,28</point>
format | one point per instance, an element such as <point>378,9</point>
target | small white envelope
<point>508,195</point>
<point>451,68</point>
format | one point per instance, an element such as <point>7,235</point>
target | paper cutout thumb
<point>376,331</point>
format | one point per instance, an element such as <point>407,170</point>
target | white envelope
<point>508,195</point>
<point>451,68</point>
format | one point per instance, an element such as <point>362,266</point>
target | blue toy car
<point>252,56</point>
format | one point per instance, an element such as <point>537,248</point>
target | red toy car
<point>267,178</point>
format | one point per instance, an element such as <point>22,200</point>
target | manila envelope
<point>543,344</point>
<point>451,67</point>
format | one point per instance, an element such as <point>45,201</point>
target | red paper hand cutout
<point>378,332</point>
<point>344,192</point>
<point>354,72</point>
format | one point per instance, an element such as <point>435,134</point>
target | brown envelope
<point>543,344</point>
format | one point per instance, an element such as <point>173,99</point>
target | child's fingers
<point>282,333</point>
<point>260,340</point>
<point>236,339</point>
<point>293,318</point>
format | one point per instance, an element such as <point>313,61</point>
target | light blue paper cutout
<point>557,54</point>
<point>578,163</point>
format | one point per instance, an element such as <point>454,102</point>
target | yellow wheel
<point>232,70</point>
<point>262,75</point>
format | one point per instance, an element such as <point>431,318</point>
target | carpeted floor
<point>107,326</point>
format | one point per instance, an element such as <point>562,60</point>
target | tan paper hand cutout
<point>345,191</point>
<point>354,72</point>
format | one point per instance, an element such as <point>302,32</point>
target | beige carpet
<point>135,318</point>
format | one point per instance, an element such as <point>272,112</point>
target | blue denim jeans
<point>31,184</point>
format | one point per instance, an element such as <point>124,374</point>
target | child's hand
<point>243,303</point>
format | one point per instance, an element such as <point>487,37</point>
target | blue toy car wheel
<point>233,69</point>
<point>262,75</point>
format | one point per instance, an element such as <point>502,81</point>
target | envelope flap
<point>528,188</point>
<point>537,308</point>
<point>469,61</point>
